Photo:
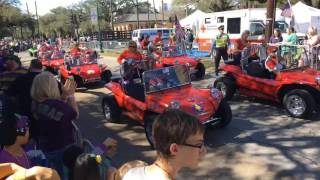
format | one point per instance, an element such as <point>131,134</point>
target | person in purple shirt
<point>14,133</point>
<point>54,113</point>
<point>276,37</point>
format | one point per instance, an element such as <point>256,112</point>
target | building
<point>129,22</point>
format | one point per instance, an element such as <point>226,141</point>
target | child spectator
<point>14,133</point>
<point>126,167</point>
<point>176,135</point>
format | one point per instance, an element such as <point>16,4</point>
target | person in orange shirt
<point>75,51</point>
<point>145,42</point>
<point>130,53</point>
<point>158,40</point>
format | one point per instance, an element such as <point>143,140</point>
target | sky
<point>44,6</point>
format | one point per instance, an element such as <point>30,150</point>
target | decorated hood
<point>198,102</point>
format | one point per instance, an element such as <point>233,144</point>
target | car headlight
<point>174,105</point>
<point>90,72</point>
<point>215,93</point>
<point>318,80</point>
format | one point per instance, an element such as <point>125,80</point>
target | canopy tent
<point>193,20</point>
<point>305,16</point>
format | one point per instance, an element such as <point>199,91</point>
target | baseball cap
<point>221,27</point>
<point>36,63</point>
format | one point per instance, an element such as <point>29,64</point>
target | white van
<point>235,22</point>
<point>152,33</point>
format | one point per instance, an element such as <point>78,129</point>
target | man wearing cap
<point>13,71</point>
<point>220,45</point>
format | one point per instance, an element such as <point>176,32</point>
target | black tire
<point>79,81</point>
<point>224,113</point>
<point>229,84</point>
<point>106,76</point>
<point>306,100</point>
<point>148,124</point>
<point>201,71</point>
<point>115,111</point>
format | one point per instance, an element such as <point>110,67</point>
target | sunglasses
<point>194,146</point>
<point>133,46</point>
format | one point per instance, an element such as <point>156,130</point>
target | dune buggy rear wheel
<point>110,108</point>
<point>299,103</point>
<point>226,86</point>
<point>201,71</point>
<point>148,124</point>
<point>224,115</point>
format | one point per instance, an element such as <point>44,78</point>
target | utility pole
<point>111,15</point>
<point>148,13</point>
<point>137,5</point>
<point>162,9</point>
<point>99,28</point>
<point>270,19</point>
<point>154,11</point>
<point>35,3</point>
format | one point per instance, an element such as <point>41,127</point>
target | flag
<point>286,10</point>
<point>180,34</point>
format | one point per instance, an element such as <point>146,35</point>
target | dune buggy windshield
<point>166,78</point>
<point>173,52</point>
<point>79,61</point>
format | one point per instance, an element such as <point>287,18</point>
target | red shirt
<point>126,54</point>
<point>241,46</point>
<point>144,44</point>
<point>75,51</point>
<point>157,40</point>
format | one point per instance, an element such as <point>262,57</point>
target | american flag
<point>180,34</point>
<point>286,10</point>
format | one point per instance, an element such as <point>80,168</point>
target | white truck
<point>235,22</point>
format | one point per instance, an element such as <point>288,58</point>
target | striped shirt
<point>7,78</point>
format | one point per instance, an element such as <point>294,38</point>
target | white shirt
<point>139,173</point>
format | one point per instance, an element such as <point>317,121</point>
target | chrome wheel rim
<point>222,87</point>
<point>296,105</point>
<point>107,113</point>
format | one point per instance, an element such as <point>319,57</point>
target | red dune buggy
<point>84,70</point>
<point>53,64</point>
<point>141,98</point>
<point>173,56</point>
<point>297,88</point>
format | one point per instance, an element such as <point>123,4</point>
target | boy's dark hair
<point>86,167</point>
<point>69,158</point>
<point>174,126</point>
<point>8,130</point>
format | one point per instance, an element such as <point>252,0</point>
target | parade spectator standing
<point>21,91</point>
<point>288,51</point>
<point>312,42</point>
<point>276,37</point>
<point>14,133</point>
<point>189,38</point>
<point>220,46</point>
<point>239,45</point>
<point>54,114</point>
<point>176,135</point>
<point>13,71</point>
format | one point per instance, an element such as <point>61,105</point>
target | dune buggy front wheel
<point>223,115</point>
<point>111,110</point>
<point>226,86</point>
<point>201,71</point>
<point>299,103</point>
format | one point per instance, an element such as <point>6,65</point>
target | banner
<point>94,16</point>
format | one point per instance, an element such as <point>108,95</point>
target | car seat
<point>256,69</point>
<point>135,90</point>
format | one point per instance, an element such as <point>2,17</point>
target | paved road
<point>260,143</point>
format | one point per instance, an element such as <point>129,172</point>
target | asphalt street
<point>261,142</point>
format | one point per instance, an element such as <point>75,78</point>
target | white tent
<point>305,16</point>
<point>193,20</point>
